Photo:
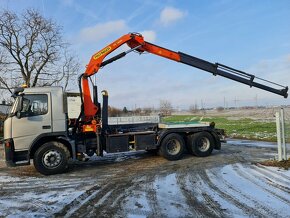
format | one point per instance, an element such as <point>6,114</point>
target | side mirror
<point>17,91</point>
<point>18,114</point>
<point>19,107</point>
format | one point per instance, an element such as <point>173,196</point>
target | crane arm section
<point>136,43</point>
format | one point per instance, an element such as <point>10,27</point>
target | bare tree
<point>165,107</point>
<point>137,111</point>
<point>220,109</point>
<point>147,110</point>
<point>193,108</point>
<point>69,70</point>
<point>32,51</point>
<point>114,112</point>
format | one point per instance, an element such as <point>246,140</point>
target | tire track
<point>280,180</point>
<point>273,174</point>
<point>243,173</point>
<point>248,210</point>
<point>84,206</point>
<point>107,201</point>
<point>265,211</point>
<point>132,188</point>
<point>78,202</point>
<point>40,186</point>
<point>151,195</point>
<point>113,188</point>
<point>112,203</point>
<point>197,207</point>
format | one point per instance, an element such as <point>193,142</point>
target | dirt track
<point>225,184</point>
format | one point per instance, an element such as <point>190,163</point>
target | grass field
<point>242,128</point>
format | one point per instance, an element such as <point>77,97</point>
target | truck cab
<point>37,114</point>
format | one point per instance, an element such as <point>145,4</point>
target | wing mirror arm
<point>19,107</point>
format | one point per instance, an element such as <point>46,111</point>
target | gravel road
<point>229,183</point>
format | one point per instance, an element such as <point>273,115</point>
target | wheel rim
<point>203,144</point>
<point>173,146</point>
<point>52,159</point>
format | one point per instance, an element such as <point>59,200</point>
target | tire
<point>172,147</point>
<point>51,158</point>
<point>200,144</point>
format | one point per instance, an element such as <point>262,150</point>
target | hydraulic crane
<point>137,43</point>
<point>39,125</point>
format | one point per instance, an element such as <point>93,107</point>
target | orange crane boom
<point>136,42</point>
<point>133,40</point>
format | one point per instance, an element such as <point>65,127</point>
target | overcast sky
<point>253,36</point>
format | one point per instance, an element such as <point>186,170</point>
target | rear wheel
<point>172,147</point>
<point>200,144</point>
<point>51,158</point>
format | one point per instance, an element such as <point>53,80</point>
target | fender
<point>165,132</point>
<point>45,137</point>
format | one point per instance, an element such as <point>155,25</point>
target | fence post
<point>284,151</point>
<point>278,126</point>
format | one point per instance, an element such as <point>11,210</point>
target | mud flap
<point>217,141</point>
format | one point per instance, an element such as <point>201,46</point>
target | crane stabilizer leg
<point>230,73</point>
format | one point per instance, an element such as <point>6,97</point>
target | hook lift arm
<point>136,42</point>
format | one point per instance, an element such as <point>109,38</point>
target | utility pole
<point>224,102</point>
<point>235,102</point>
<point>256,100</point>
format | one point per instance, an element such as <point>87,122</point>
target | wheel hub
<point>204,144</point>
<point>52,159</point>
<point>173,147</point>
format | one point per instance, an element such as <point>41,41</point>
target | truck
<point>38,126</point>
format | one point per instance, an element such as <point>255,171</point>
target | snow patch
<point>171,201</point>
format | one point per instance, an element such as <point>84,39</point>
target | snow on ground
<point>251,143</point>
<point>236,190</point>
<point>169,196</point>
<point>32,196</point>
<point>116,157</point>
<point>222,185</point>
<point>266,190</point>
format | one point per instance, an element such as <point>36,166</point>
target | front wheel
<point>172,147</point>
<point>200,144</point>
<point>51,158</point>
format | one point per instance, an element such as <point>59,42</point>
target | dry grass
<point>274,163</point>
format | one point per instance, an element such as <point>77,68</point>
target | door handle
<point>46,127</point>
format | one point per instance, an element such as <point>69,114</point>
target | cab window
<point>34,105</point>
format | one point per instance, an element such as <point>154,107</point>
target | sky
<point>252,36</point>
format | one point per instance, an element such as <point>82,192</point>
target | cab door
<point>35,119</point>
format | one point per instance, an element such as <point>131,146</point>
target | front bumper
<point>14,158</point>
